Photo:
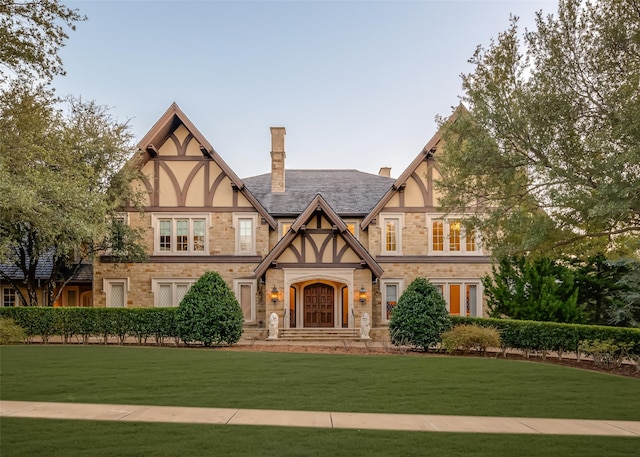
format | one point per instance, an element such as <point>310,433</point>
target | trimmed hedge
<point>534,336</point>
<point>103,323</point>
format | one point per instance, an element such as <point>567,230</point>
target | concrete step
<point>324,334</point>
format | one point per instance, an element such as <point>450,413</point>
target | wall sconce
<point>274,294</point>
<point>363,295</point>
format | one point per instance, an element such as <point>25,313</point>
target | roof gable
<point>318,204</point>
<point>427,152</point>
<point>172,119</point>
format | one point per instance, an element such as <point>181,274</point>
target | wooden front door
<point>318,305</point>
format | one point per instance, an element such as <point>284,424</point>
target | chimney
<point>385,171</point>
<point>277,159</point>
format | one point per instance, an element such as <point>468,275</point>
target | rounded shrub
<point>470,337</point>
<point>11,333</point>
<point>420,317</point>
<point>210,313</point>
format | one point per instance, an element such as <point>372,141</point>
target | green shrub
<point>606,353</point>
<point>165,324</point>
<point>420,317</point>
<point>468,337</point>
<point>210,313</point>
<point>530,336</point>
<point>11,333</point>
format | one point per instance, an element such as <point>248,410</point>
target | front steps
<point>318,334</point>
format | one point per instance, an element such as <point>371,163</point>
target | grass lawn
<point>29,437</point>
<point>398,384</point>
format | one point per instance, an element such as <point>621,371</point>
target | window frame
<point>446,236</point>
<point>156,220</point>
<point>12,292</point>
<point>237,218</point>
<point>356,227</point>
<point>281,227</point>
<point>399,282</point>
<point>107,285</point>
<point>444,285</point>
<point>237,290</point>
<point>123,219</point>
<point>156,283</point>
<point>383,232</point>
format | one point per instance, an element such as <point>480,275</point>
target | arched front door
<point>318,305</point>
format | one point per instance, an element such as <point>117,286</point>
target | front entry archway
<point>318,305</point>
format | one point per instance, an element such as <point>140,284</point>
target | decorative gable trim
<point>318,204</point>
<point>163,129</point>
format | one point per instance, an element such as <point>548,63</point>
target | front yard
<point>264,380</point>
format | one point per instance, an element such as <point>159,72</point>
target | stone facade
<point>317,257</point>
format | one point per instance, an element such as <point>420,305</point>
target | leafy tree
<point>548,154</point>
<point>31,33</point>
<point>210,312</point>
<point>63,181</point>
<point>420,317</point>
<point>532,289</point>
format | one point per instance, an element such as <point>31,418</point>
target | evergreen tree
<point>532,289</point>
<point>420,317</point>
<point>210,312</point>
<point>626,310</point>
<point>599,285</point>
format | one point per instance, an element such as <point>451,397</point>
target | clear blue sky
<point>356,84</point>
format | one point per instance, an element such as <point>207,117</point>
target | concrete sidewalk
<point>321,419</point>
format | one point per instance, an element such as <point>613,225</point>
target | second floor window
<point>245,226</point>
<point>449,236</point>
<point>392,234</point>
<point>180,235</point>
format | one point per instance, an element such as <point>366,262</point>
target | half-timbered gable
<point>320,263</point>
<point>410,236</point>
<point>198,216</point>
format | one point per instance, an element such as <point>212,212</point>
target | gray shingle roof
<point>349,192</point>
<point>43,270</point>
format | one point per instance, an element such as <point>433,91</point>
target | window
<point>245,290</point>
<point>116,292</point>
<point>8,296</point>
<point>169,292</point>
<point>352,227</point>
<point>284,227</point>
<point>245,227</point>
<point>70,296</point>
<point>118,233</point>
<point>462,297</point>
<point>392,234</point>
<point>180,235</point>
<point>448,236</point>
<point>391,290</point>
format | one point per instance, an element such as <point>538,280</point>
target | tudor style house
<point>317,247</point>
